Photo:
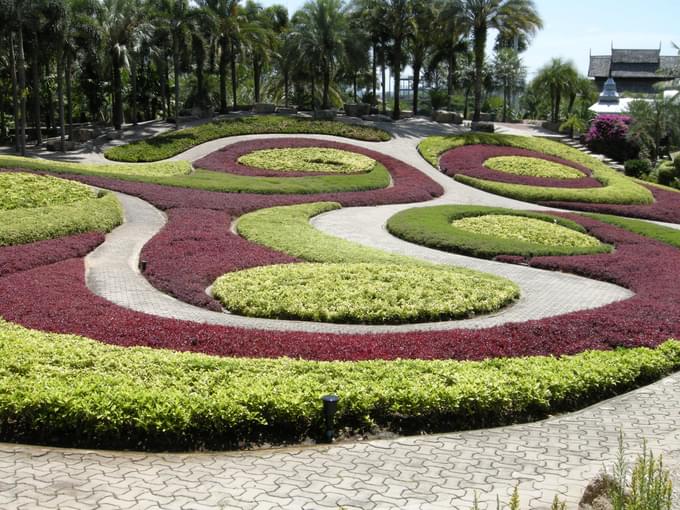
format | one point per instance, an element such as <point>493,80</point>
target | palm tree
<point>322,25</point>
<point>397,17</point>
<point>509,73</point>
<point>560,79</point>
<point>421,41</point>
<point>519,15</point>
<point>450,39</point>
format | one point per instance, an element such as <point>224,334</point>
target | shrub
<point>533,167</point>
<point>438,99</point>
<point>172,143</point>
<point>71,391</point>
<point>363,293</point>
<point>21,190</point>
<point>308,159</point>
<point>637,167</point>
<point>665,175</point>
<point>608,134</point>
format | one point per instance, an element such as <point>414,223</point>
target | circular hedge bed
<point>532,167</point>
<point>488,232</point>
<point>309,159</point>
<point>362,293</point>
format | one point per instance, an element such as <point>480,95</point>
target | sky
<point>575,27</point>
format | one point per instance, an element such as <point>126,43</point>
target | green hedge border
<point>171,143</point>
<point>666,235</point>
<point>431,226</point>
<point>617,188</point>
<point>67,390</point>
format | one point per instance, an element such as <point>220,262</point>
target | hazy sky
<point>572,28</point>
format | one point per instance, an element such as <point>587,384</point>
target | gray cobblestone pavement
<point>556,456</point>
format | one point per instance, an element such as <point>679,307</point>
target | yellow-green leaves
<point>21,190</point>
<point>309,159</point>
<point>532,167</point>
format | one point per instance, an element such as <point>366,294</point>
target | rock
<point>83,135</point>
<point>264,108</point>
<point>324,114</point>
<point>447,117</point>
<point>487,117</point>
<point>357,110</point>
<point>596,495</point>
<point>484,127</point>
<point>378,117</point>
<point>286,110</point>
<point>54,145</point>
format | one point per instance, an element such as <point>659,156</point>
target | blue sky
<point>574,27</point>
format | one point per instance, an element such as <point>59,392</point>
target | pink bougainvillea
<point>469,160</point>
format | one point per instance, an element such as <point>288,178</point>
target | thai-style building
<point>635,71</point>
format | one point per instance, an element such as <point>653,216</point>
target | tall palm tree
<point>560,79</point>
<point>397,17</point>
<point>226,14</point>
<point>451,33</point>
<point>322,26</point>
<point>421,41</point>
<point>520,15</point>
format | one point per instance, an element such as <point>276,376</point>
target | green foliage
<point>617,189</point>
<point>529,230</point>
<point>573,124</point>
<point>557,504</point>
<point>74,391</point>
<point>666,235</point>
<point>532,167</point>
<point>21,190</point>
<point>172,143</point>
<point>637,167</point>
<point>435,227</point>
<point>287,229</point>
<point>20,226</point>
<point>165,169</point>
<point>309,159</point>
<point>363,293</point>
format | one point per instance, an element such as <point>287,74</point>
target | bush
<point>665,175</point>
<point>172,143</point>
<point>71,391</point>
<point>438,99</point>
<point>24,191</point>
<point>637,167</point>
<point>308,159</point>
<point>533,167</point>
<point>608,135</point>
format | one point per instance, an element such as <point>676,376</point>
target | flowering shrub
<point>194,248</point>
<point>473,161</point>
<point>608,134</point>
<point>363,293</point>
<point>42,253</point>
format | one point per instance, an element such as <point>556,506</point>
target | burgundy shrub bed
<point>665,208</point>
<point>28,256</point>
<point>55,298</point>
<point>226,159</point>
<point>194,248</point>
<point>469,160</point>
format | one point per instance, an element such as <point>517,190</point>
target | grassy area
<point>21,226</point>
<point>366,293</point>
<point>617,188</point>
<point>172,143</point>
<point>67,390</point>
<point>436,227</point>
<point>644,228</point>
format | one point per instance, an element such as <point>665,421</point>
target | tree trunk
<point>467,100</point>
<point>223,75</point>
<point>285,87</point>
<point>416,84</point>
<point>234,78</point>
<point>397,80</point>
<point>558,100</point>
<point>505,100</point>
<point>354,86</point>
<point>60,95</point>
<point>15,91</point>
<point>479,49</point>
<point>326,86</point>
<point>384,103</point>
<point>374,99</point>
<point>168,95</point>
<point>313,91</point>
<point>160,62</point>
<point>256,78</point>
<point>570,107</point>
<point>175,65</point>
<point>69,96</point>
<point>21,63</point>
<point>133,99</point>
<point>449,79</point>
<point>35,74</point>
<point>117,93</point>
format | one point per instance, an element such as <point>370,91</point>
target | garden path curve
<point>556,456</point>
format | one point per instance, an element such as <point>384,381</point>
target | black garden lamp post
<point>330,406</point>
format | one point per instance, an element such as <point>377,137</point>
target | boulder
<point>286,110</point>
<point>264,108</point>
<point>484,127</point>
<point>596,495</point>
<point>83,135</point>
<point>324,114</point>
<point>378,117</point>
<point>357,110</point>
<point>447,117</point>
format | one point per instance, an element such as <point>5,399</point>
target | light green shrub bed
<point>63,389</point>
<point>20,226</point>
<point>309,159</point>
<point>21,191</point>
<point>362,293</point>
<point>532,167</point>
<point>616,189</point>
<point>490,231</point>
<point>528,230</point>
<point>172,143</point>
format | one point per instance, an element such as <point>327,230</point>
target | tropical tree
<point>421,41</point>
<point>519,16</point>
<point>225,14</point>
<point>560,79</point>
<point>655,124</point>
<point>509,73</point>
<point>397,18</point>
<point>451,34</point>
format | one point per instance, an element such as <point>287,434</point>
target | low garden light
<point>142,266</point>
<point>330,407</point>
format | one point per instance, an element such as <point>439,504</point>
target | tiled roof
<point>667,68</point>
<point>636,56</point>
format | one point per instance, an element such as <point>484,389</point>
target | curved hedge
<point>520,165</point>
<point>308,159</point>
<point>363,293</point>
<point>68,390</point>
<point>616,188</point>
<point>432,227</point>
<point>171,143</point>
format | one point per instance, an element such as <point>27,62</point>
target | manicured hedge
<point>20,226</point>
<point>172,143</point>
<point>19,190</point>
<point>432,226</point>
<point>120,171</point>
<point>67,390</point>
<point>363,293</point>
<point>522,165</point>
<point>309,159</point>
<point>616,188</point>
<point>666,235</point>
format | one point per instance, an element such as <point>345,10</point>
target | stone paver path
<point>556,456</point>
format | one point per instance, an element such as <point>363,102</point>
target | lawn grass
<point>172,143</point>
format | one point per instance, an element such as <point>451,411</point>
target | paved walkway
<point>557,456</point>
